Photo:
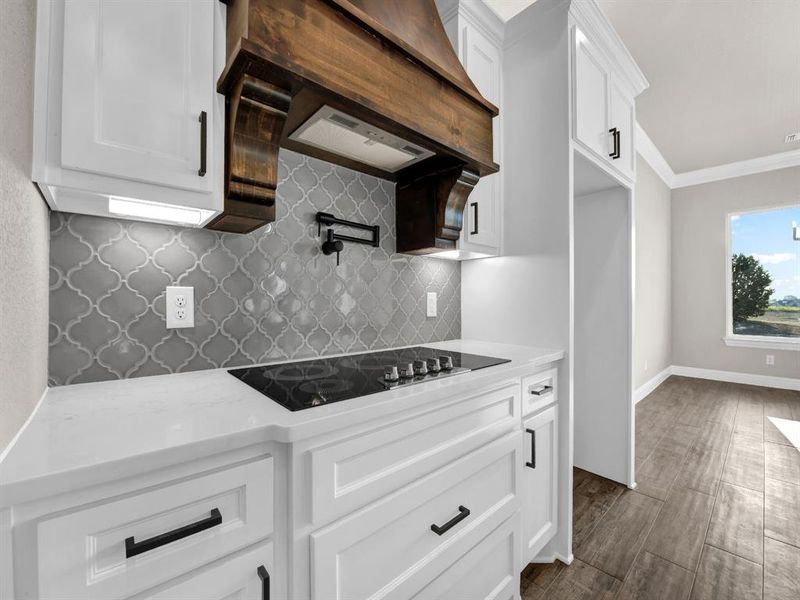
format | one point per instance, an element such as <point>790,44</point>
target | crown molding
<point>762,164</point>
<point>479,15</point>
<point>648,151</point>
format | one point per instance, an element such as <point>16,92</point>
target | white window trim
<point>738,340</point>
<point>762,341</point>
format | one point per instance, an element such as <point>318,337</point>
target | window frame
<point>767,342</point>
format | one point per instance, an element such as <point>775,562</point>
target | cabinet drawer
<point>391,550</point>
<point>122,547</point>
<point>249,576</point>
<point>539,390</point>
<point>350,473</point>
<point>488,571</point>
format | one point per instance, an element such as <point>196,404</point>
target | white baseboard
<point>648,386</point>
<point>786,383</point>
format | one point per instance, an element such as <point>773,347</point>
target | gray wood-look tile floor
<point>716,512</point>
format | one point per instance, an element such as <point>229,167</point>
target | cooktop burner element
<point>310,383</point>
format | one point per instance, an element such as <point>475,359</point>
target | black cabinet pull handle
<point>133,548</point>
<point>532,463</point>
<point>542,390</point>
<point>618,144</point>
<point>474,206</point>
<point>264,575</point>
<point>463,513</point>
<point>203,143</point>
<point>615,133</point>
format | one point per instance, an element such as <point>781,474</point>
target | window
<point>764,278</point>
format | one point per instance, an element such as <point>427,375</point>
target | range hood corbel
<point>388,66</point>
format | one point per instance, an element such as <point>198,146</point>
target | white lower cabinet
<point>447,500</point>
<point>246,577</point>
<point>394,547</point>
<point>488,571</point>
<point>540,482</point>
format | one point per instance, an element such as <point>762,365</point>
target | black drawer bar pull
<point>264,576</point>
<point>616,137</point>
<point>532,463</point>
<point>203,143</point>
<point>463,513</point>
<point>133,548</point>
<point>474,231</point>
<point>541,391</point>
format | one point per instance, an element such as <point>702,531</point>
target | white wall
<point>24,232</point>
<point>524,296</point>
<point>653,284</point>
<point>699,263</point>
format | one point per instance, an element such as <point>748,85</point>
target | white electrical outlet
<point>180,307</point>
<point>431,304</point>
<point>771,359</point>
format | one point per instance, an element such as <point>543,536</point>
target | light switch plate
<point>431,304</point>
<point>180,307</point>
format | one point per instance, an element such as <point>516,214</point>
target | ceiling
<point>724,74</point>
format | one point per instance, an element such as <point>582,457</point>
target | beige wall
<point>699,262</point>
<point>23,228</point>
<point>653,318</point>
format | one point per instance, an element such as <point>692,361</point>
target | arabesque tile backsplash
<point>268,295</point>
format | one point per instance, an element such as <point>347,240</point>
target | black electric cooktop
<point>302,385</point>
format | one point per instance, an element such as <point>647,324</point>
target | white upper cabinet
<point>623,125</point>
<point>482,60</point>
<point>605,84</point>
<point>591,98</point>
<point>126,107</point>
<point>477,36</point>
<point>137,78</point>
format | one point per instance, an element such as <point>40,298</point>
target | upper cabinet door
<point>138,81</point>
<point>591,98</point>
<point>482,61</point>
<point>623,123</point>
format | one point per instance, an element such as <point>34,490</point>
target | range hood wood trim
<point>429,207</point>
<point>393,68</point>
<point>255,114</point>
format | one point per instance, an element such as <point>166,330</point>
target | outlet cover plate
<point>431,304</point>
<point>180,307</point>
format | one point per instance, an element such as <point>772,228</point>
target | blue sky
<point>768,237</point>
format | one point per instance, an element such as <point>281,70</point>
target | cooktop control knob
<point>420,367</point>
<point>407,371</point>
<point>433,365</point>
<point>390,373</point>
<point>446,362</point>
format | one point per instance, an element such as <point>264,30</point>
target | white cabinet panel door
<point>591,98</point>
<point>482,62</point>
<point>137,77</point>
<point>540,482</point>
<point>623,119</point>
<point>247,577</point>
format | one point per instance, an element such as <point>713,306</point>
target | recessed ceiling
<point>724,76</point>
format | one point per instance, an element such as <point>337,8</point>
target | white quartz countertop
<point>94,432</point>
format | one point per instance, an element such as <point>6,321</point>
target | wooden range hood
<point>388,64</point>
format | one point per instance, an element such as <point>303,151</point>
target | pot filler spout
<point>367,84</point>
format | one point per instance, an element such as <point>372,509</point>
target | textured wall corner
<point>264,296</point>
<point>23,228</point>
